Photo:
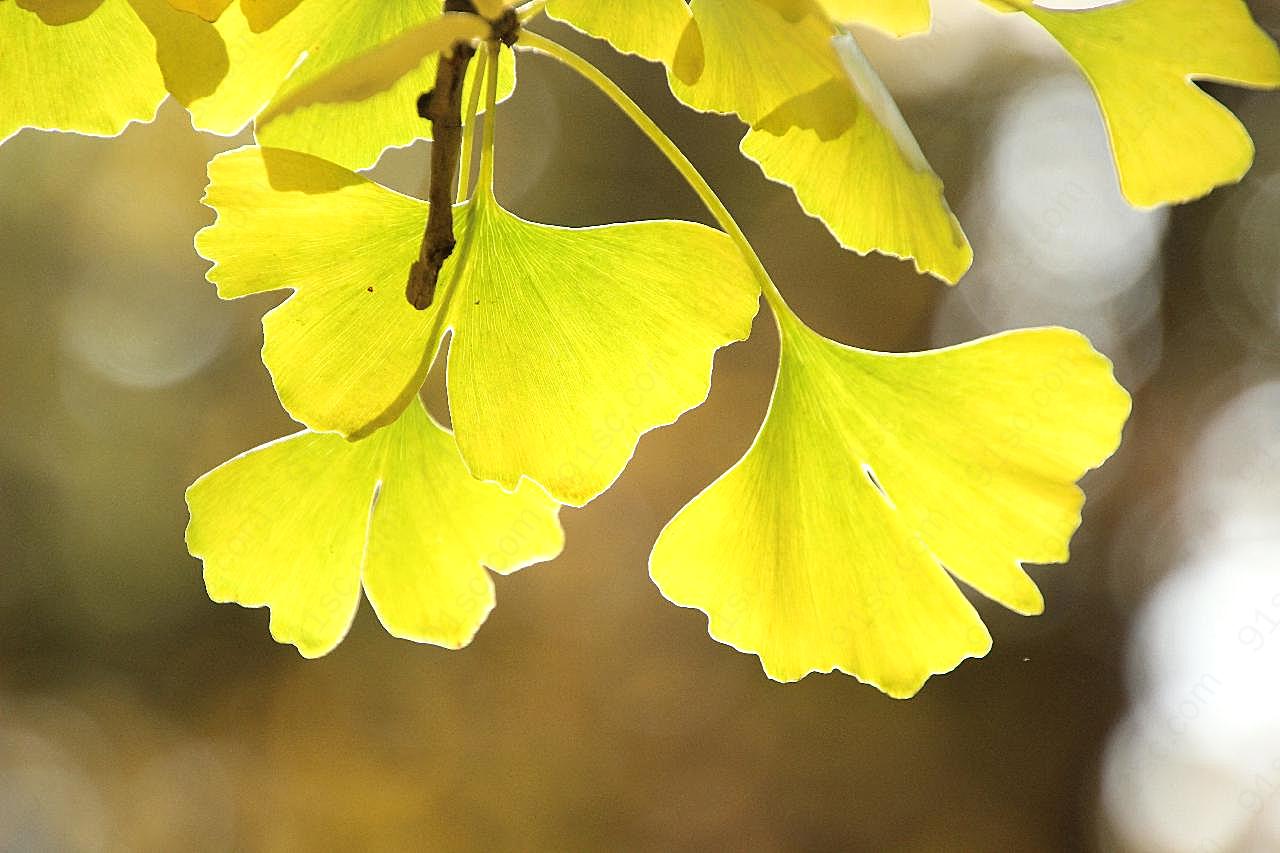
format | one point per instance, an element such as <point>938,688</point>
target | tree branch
<point>442,106</point>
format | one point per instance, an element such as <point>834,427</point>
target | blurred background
<point>1140,713</point>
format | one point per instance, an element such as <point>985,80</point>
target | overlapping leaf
<point>822,123</point>
<point>846,157</point>
<point>828,545</point>
<point>93,65</point>
<point>274,51</point>
<point>365,75</point>
<point>1172,142</point>
<point>88,67</point>
<point>338,79</point>
<point>568,344</point>
<point>301,524</point>
<point>356,92</point>
<point>648,28</point>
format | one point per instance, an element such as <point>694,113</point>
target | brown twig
<point>442,106</point>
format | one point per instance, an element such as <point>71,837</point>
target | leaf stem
<point>541,44</point>
<point>468,124</point>
<point>528,11</point>
<point>485,183</point>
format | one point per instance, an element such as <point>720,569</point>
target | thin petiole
<point>490,107</point>
<point>526,12</point>
<point>541,44</point>
<point>468,124</point>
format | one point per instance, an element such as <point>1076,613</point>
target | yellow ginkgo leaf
<point>88,67</point>
<point>750,57</point>
<point>837,152</point>
<point>899,17</point>
<point>823,123</point>
<point>300,524</point>
<point>93,66</point>
<point>225,72</point>
<point>1172,141</point>
<point>309,60</point>
<point>347,351</point>
<point>568,344</point>
<point>367,74</point>
<point>356,92</point>
<point>827,546</point>
<point>647,28</point>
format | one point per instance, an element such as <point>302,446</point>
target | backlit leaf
<point>376,111</point>
<point>93,66</point>
<point>87,66</point>
<point>752,56</point>
<point>347,351</point>
<point>648,28</point>
<point>839,154</point>
<point>1172,142</point>
<point>827,546</point>
<point>367,74</point>
<point>301,524</point>
<point>308,59</point>
<point>824,124</point>
<point>568,344</point>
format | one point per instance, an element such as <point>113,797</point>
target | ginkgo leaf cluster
<point>878,482</point>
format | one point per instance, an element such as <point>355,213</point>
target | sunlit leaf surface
<point>648,28</point>
<point>87,66</point>
<point>572,342</point>
<point>94,65</point>
<point>828,545</point>
<point>321,110</point>
<point>308,61</point>
<point>301,524</point>
<point>568,344</point>
<point>231,68</point>
<point>347,352</point>
<point>1172,142</point>
<point>822,123</point>
<point>365,75</point>
<point>752,56</point>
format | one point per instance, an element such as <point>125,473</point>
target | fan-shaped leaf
<point>356,92</point>
<point>822,123</point>
<point>367,74</point>
<point>88,67</point>
<point>347,351</point>
<point>568,344</point>
<point>1172,142</point>
<point>648,28</point>
<point>824,547</point>
<point>300,524</point>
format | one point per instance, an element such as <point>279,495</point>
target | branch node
<point>506,28</point>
